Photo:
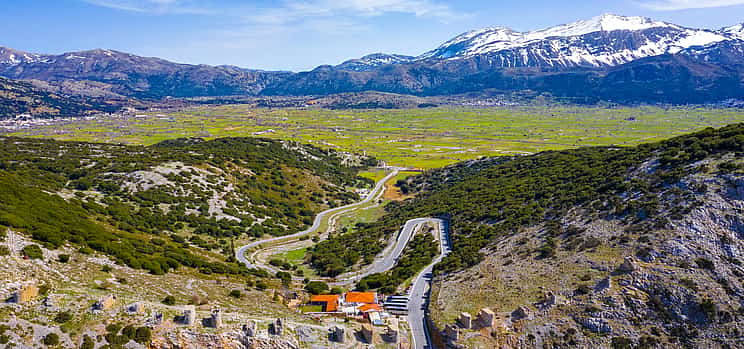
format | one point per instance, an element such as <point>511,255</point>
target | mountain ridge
<point>576,61</point>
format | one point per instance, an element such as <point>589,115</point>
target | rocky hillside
<point>131,75</point>
<point>176,203</point>
<point>24,100</point>
<point>595,247</point>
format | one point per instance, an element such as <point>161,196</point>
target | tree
<point>51,339</point>
<point>143,335</point>
<point>169,300</point>
<point>316,287</point>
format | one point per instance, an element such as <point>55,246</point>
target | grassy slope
<point>426,138</point>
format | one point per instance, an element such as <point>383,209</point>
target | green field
<point>424,138</point>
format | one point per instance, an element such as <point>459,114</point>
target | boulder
<point>520,313</point>
<point>628,265</point>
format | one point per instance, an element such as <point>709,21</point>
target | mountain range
<point>609,57</point>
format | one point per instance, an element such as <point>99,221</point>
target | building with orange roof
<point>361,298</point>
<point>330,302</point>
<point>370,307</point>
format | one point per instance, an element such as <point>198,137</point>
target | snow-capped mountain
<point>607,40</point>
<point>374,60</point>
<point>734,31</point>
<point>11,57</point>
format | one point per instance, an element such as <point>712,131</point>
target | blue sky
<point>301,34</point>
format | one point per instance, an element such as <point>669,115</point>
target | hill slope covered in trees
<point>171,204</point>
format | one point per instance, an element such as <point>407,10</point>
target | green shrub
<point>33,252</point>
<point>705,263</point>
<point>51,339</point>
<point>4,251</point>
<point>169,300</point>
<point>316,287</point>
<point>64,258</point>
<point>87,343</point>
<point>236,294</point>
<point>63,317</point>
<point>143,335</point>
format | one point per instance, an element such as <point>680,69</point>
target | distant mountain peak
<point>374,60</point>
<point>577,44</point>
<point>10,56</point>
<point>736,31</point>
<point>604,23</point>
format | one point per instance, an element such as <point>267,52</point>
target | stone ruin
<point>215,318</point>
<point>136,308</point>
<point>189,316</point>
<point>25,294</point>
<point>276,328</point>
<point>628,265</point>
<point>368,333</point>
<point>452,333</point>
<point>250,329</point>
<point>337,334</point>
<point>392,332</point>
<point>465,321</point>
<point>105,303</point>
<point>486,318</point>
<point>520,313</point>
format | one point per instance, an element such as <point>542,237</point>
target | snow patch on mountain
<point>736,31</point>
<point>607,22</point>
<point>374,60</point>
<point>605,40</point>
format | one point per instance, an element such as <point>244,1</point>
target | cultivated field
<point>424,138</point>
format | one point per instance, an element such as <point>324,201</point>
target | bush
<point>106,269</point>
<point>143,335</point>
<point>63,317</point>
<point>129,331</point>
<point>261,286</point>
<point>51,339</point>
<point>4,251</point>
<point>235,294</point>
<point>64,258</point>
<point>316,287</point>
<point>33,252</point>
<point>169,300</point>
<point>621,343</point>
<point>337,290</point>
<point>87,343</point>
<point>705,263</point>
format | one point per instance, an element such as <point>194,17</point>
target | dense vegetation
<point>156,207</point>
<point>505,197</point>
<point>493,198</point>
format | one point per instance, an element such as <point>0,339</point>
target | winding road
<point>373,195</point>
<point>418,299</point>
<point>421,287</point>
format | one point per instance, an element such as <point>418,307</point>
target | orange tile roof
<point>360,297</point>
<point>330,300</point>
<point>370,307</point>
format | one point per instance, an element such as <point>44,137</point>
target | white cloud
<point>155,6</point>
<point>672,5</point>
<point>286,10</point>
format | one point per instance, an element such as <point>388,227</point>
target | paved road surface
<point>379,187</point>
<point>419,296</point>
